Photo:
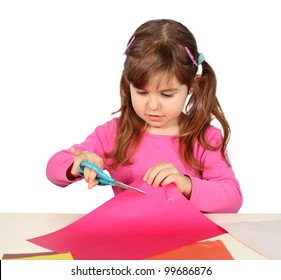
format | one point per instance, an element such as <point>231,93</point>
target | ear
<point>190,90</point>
<point>188,95</point>
<point>195,82</point>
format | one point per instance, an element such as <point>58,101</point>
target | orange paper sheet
<point>134,226</point>
<point>205,250</point>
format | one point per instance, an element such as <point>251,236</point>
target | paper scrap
<point>264,237</point>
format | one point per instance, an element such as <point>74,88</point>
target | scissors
<point>104,179</point>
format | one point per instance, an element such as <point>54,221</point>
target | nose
<point>153,102</point>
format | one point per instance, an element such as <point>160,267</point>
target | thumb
<point>76,164</point>
<point>75,152</point>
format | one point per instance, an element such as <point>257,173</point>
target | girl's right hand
<point>89,174</point>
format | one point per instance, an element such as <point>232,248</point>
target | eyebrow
<point>168,89</point>
<point>160,90</point>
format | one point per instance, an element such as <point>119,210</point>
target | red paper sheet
<point>134,226</point>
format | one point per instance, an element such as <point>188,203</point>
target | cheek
<point>176,107</point>
<point>184,103</point>
<point>136,103</point>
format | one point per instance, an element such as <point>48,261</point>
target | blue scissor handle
<point>101,176</point>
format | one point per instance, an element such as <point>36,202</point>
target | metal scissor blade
<point>124,186</point>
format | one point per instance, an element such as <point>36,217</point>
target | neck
<point>171,131</point>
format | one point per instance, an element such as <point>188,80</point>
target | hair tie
<point>201,58</point>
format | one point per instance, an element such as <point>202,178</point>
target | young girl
<point>163,134</point>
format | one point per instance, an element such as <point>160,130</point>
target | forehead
<point>162,80</point>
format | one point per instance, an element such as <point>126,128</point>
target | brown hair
<point>158,47</point>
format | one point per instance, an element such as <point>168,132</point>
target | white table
<point>15,228</point>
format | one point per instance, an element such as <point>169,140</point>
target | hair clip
<point>130,43</point>
<point>191,56</point>
<point>197,63</point>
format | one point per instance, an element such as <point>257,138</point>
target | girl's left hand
<point>165,173</point>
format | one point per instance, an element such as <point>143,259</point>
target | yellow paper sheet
<point>65,256</point>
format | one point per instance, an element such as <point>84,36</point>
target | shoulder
<point>102,138</point>
<point>104,133</point>
<point>110,127</point>
<point>213,135</point>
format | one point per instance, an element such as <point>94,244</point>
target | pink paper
<point>134,226</point>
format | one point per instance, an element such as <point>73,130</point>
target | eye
<point>140,92</point>
<point>167,95</point>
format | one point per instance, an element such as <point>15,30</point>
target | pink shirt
<point>217,191</point>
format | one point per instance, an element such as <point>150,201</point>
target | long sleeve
<point>98,142</point>
<point>57,167</point>
<point>218,190</point>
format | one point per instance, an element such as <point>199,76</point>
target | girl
<point>164,133</point>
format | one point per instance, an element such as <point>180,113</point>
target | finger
<point>89,175</point>
<point>79,157</point>
<point>76,166</point>
<point>183,183</point>
<point>98,161</point>
<point>75,152</point>
<point>146,175</point>
<point>172,178</point>
<point>91,185</point>
<point>162,176</point>
<point>154,171</point>
<point>151,174</point>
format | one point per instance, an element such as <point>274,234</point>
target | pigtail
<point>129,129</point>
<point>203,106</point>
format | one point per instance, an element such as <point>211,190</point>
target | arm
<point>70,173</point>
<point>218,190</point>
<point>62,167</point>
<point>58,166</point>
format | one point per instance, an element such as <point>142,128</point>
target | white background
<point>60,65</point>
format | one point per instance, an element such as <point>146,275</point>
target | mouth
<point>155,118</point>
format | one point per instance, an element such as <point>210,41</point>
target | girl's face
<point>160,104</point>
